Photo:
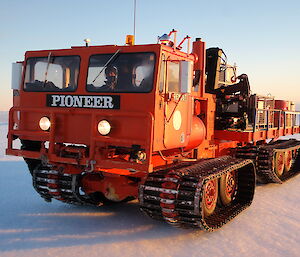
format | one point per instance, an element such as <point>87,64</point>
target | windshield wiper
<point>106,64</point>
<point>47,68</point>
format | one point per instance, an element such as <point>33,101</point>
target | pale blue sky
<point>262,37</point>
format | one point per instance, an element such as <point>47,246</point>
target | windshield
<point>52,73</point>
<point>121,72</point>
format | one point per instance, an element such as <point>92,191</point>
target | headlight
<point>104,127</point>
<point>45,123</point>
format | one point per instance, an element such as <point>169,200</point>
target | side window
<point>142,75</point>
<point>139,76</point>
<point>162,72</point>
<point>173,76</point>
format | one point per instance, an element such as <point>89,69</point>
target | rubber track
<point>50,183</point>
<point>263,156</point>
<point>175,194</point>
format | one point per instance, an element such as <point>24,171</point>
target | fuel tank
<point>198,132</point>
<point>282,105</point>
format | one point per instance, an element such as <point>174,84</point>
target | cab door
<point>178,104</point>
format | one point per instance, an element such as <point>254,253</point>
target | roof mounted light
<point>164,39</point>
<point>87,41</point>
<point>130,40</point>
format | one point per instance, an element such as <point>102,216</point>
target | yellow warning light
<point>130,40</point>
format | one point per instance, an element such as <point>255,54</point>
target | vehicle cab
<point>112,108</point>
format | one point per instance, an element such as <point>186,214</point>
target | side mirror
<point>186,76</point>
<point>16,75</point>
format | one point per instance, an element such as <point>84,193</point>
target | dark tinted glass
<point>120,72</point>
<point>52,73</point>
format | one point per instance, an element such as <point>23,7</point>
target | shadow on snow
<point>28,222</point>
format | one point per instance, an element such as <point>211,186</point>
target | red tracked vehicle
<point>180,131</point>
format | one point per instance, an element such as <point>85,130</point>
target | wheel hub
<point>280,162</point>
<point>230,183</point>
<point>210,194</point>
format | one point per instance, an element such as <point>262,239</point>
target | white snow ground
<point>31,227</point>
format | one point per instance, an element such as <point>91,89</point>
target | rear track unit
<point>176,194</point>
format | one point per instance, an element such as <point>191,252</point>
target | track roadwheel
<point>288,158</point>
<point>294,153</point>
<point>210,197</point>
<point>228,187</point>
<point>279,163</point>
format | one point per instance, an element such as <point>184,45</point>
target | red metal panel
<point>246,136</point>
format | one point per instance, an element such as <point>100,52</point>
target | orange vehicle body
<point>161,125</point>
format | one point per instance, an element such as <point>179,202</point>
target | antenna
<point>134,17</point>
